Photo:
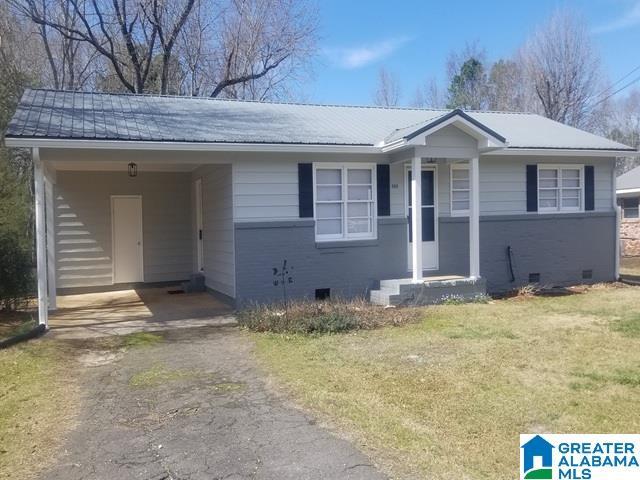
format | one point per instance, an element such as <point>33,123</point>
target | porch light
<point>133,170</point>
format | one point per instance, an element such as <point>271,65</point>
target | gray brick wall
<point>349,269</point>
<point>558,247</point>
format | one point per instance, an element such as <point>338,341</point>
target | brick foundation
<point>630,237</point>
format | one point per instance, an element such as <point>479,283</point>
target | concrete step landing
<point>433,290</point>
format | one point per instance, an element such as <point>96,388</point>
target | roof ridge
<point>264,102</point>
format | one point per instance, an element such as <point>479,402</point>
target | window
<point>630,207</point>
<point>560,188</point>
<point>460,190</point>
<point>345,202</point>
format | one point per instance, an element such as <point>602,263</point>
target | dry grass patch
<point>306,317</point>
<point>38,397</point>
<point>428,398</point>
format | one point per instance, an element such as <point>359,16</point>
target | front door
<point>428,211</point>
<point>127,239</point>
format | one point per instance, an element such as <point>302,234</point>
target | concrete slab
<point>128,311</point>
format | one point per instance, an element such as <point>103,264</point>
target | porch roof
<point>62,115</point>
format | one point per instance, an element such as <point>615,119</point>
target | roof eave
<point>566,152</point>
<point>31,142</point>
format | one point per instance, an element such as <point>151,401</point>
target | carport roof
<point>64,115</point>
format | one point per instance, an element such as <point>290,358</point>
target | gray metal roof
<point>54,114</point>
<point>629,180</point>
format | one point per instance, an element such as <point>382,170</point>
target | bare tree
<point>507,87</point>
<point>387,93</point>
<point>429,95</point>
<point>564,68</point>
<point>261,45</point>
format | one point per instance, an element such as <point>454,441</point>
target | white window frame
<point>559,167</point>
<point>345,236</point>
<point>624,210</point>
<point>458,213</point>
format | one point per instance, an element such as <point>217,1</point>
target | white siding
<point>217,215</point>
<point>503,189</point>
<point>265,186</point>
<point>83,225</point>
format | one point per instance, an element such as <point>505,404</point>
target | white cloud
<point>363,55</point>
<point>629,19</point>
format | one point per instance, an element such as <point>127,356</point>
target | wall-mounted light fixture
<point>133,170</point>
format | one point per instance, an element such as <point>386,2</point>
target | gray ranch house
<point>135,189</point>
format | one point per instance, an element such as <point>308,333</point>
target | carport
<point>136,310</point>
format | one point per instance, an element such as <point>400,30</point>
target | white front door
<point>127,239</point>
<point>428,210</point>
<point>199,240</point>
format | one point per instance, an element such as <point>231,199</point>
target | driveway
<point>195,406</point>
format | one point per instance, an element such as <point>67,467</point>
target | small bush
<point>333,316</point>
<point>16,273</point>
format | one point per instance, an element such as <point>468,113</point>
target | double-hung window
<point>460,190</point>
<point>630,207</point>
<point>560,188</point>
<point>344,201</point>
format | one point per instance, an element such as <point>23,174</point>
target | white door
<point>199,240</point>
<point>127,239</point>
<point>428,210</point>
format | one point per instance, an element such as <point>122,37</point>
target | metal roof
<point>51,114</point>
<point>629,180</point>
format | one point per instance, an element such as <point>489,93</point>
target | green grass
<point>140,339</point>
<point>37,397</point>
<point>426,399</point>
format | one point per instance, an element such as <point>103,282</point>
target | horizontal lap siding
<point>265,187</point>
<point>503,184</point>
<point>83,225</point>
<point>218,239</point>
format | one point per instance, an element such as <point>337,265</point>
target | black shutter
<point>589,188</point>
<point>384,192</point>
<point>305,190</point>
<point>532,188</point>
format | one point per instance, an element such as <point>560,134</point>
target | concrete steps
<point>403,292</point>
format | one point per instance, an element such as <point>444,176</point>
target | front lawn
<point>448,396</point>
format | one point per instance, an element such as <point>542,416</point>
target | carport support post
<point>416,218</point>
<point>474,218</point>
<point>41,239</point>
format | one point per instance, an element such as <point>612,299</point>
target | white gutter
<point>186,146</point>
<point>622,191</point>
<point>565,152</point>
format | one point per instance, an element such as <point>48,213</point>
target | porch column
<point>416,218</point>
<point>474,218</point>
<point>51,243</point>
<point>41,239</point>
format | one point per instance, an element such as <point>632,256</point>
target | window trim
<point>452,212</point>
<point>622,207</point>
<point>345,237</point>
<point>559,167</point>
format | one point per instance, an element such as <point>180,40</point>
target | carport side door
<point>126,211</point>
<point>199,224</point>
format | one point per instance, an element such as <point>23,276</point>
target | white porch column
<point>41,239</point>
<point>51,243</point>
<point>474,219</point>
<point>416,218</point>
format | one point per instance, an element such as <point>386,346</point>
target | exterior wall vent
<point>323,293</point>
<point>587,274</point>
<point>534,278</point>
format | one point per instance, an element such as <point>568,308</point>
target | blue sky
<point>412,38</point>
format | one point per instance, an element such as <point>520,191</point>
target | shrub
<point>16,273</point>
<point>334,316</point>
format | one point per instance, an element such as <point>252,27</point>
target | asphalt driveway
<point>195,406</point>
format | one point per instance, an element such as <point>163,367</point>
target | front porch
<point>430,291</point>
<point>455,143</point>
